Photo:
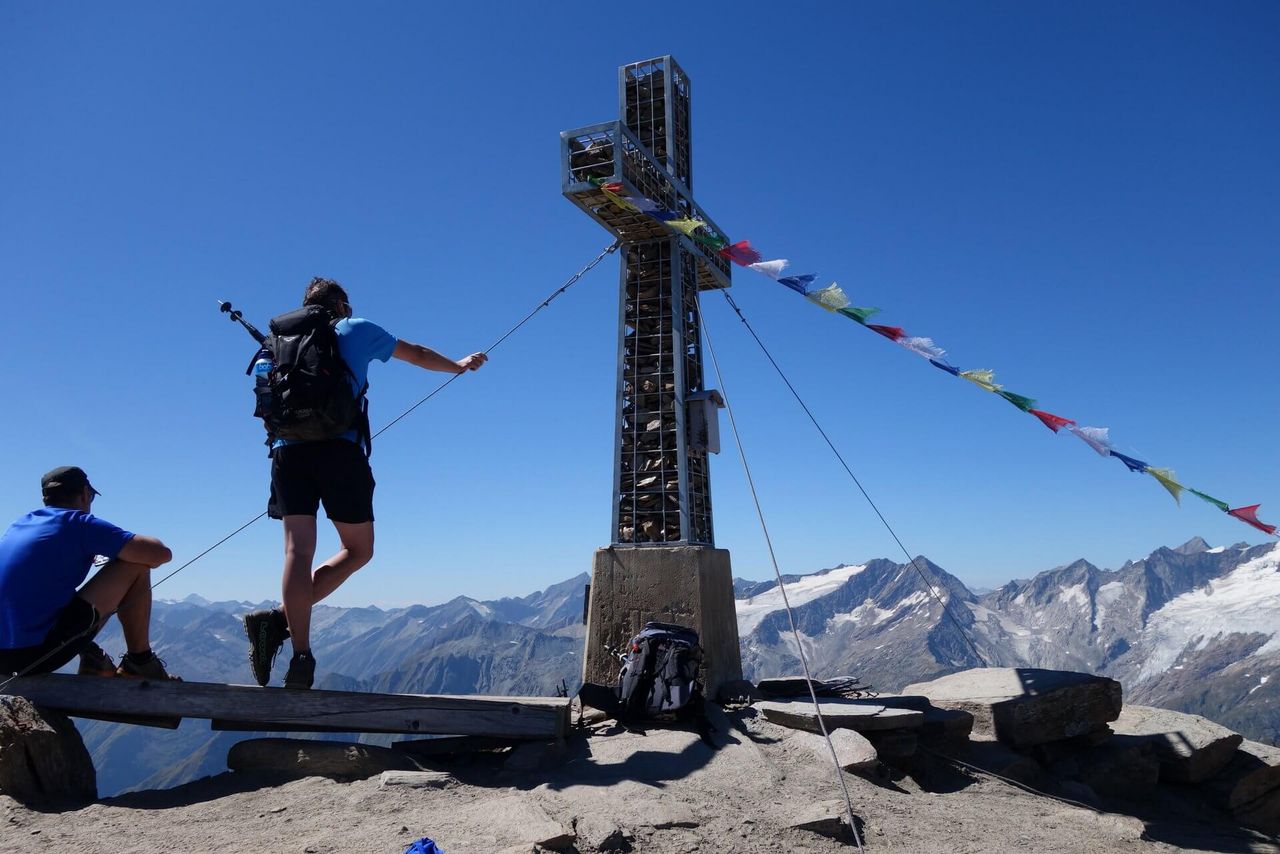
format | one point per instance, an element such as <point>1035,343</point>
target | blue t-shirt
<point>360,341</point>
<point>44,556</point>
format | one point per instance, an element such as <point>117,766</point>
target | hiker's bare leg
<point>125,588</point>
<point>356,551</point>
<point>299,551</point>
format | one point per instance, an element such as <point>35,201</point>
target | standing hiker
<point>44,620</point>
<point>319,437</point>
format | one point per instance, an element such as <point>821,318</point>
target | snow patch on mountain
<point>1235,603</point>
<point>753,610</point>
<point>1076,595</point>
<point>1106,597</point>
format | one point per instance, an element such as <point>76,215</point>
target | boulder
<point>1125,767</point>
<point>295,757</point>
<point>825,818</point>
<point>417,779</point>
<point>859,715</point>
<point>1026,706</point>
<point>42,757</point>
<point>894,746</point>
<point>946,725</point>
<point>517,817</point>
<point>998,759</point>
<point>853,751</point>
<point>1250,787</point>
<point>1190,748</point>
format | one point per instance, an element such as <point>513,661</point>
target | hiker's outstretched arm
<point>425,357</point>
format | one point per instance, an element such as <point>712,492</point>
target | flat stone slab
<point>858,715</point>
<point>1250,787</point>
<point>296,757</point>
<point>853,751</point>
<point>1125,767</point>
<point>417,779</point>
<point>1190,748</point>
<point>825,818</point>
<point>1026,706</point>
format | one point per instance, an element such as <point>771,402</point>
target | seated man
<point>44,620</point>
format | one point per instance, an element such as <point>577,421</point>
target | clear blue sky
<point>1084,197</point>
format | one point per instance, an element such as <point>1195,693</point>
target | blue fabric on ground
<point>423,846</point>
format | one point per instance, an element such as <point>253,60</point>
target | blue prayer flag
<point>1134,465</point>
<point>951,369</point>
<point>800,284</point>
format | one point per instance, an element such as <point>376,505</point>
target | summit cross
<point>662,563</point>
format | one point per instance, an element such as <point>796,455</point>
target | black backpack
<point>307,393</point>
<point>660,673</point>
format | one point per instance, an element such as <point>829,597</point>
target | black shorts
<point>334,471</point>
<point>73,630</point>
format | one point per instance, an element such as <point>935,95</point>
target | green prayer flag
<point>859,314</point>
<point>1026,404</point>
<point>1221,505</point>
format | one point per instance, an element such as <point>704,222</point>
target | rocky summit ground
<point>660,792</point>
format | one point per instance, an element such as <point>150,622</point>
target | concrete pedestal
<point>689,585</point>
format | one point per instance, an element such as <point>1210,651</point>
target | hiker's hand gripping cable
<point>425,357</point>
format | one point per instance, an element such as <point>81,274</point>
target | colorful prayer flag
<point>617,199</point>
<point>1221,505</point>
<point>1097,438</point>
<point>800,284</point>
<point>772,269</point>
<point>1169,481</point>
<point>981,377</point>
<point>1023,403</point>
<point>831,297</point>
<point>923,347</point>
<point>1249,515</point>
<point>1134,465</point>
<point>893,333</point>
<point>686,226</point>
<point>858,314</point>
<point>943,366</point>
<point>1053,422</point>
<point>741,253</point>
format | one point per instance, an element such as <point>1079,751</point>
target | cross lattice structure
<point>662,479</point>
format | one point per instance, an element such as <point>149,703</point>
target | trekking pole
<point>237,317</point>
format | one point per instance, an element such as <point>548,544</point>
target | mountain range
<point>1191,628</point>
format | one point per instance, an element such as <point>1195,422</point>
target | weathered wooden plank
<point>135,720</point>
<point>512,717</point>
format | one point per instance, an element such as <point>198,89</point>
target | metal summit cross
<point>662,563</point>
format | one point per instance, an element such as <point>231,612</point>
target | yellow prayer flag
<point>982,377</point>
<point>1166,478</point>
<point>619,200</point>
<point>687,226</point>
<point>832,298</point>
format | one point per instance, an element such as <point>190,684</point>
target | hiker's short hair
<point>326,293</point>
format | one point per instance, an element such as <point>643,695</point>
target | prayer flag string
<point>835,300</point>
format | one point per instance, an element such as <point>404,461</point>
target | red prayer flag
<point>1249,515</point>
<point>893,333</point>
<point>741,253</point>
<point>615,187</point>
<point>1053,422</point>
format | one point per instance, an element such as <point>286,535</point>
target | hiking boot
<point>302,671</point>
<point>267,631</point>
<point>152,668</point>
<point>95,662</point>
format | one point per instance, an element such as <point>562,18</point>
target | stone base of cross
<point>688,585</point>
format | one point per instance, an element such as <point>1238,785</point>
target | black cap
<point>66,479</point>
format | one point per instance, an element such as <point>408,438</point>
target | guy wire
<point>609,250</point>
<point>912,561</point>
<point>804,662</point>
